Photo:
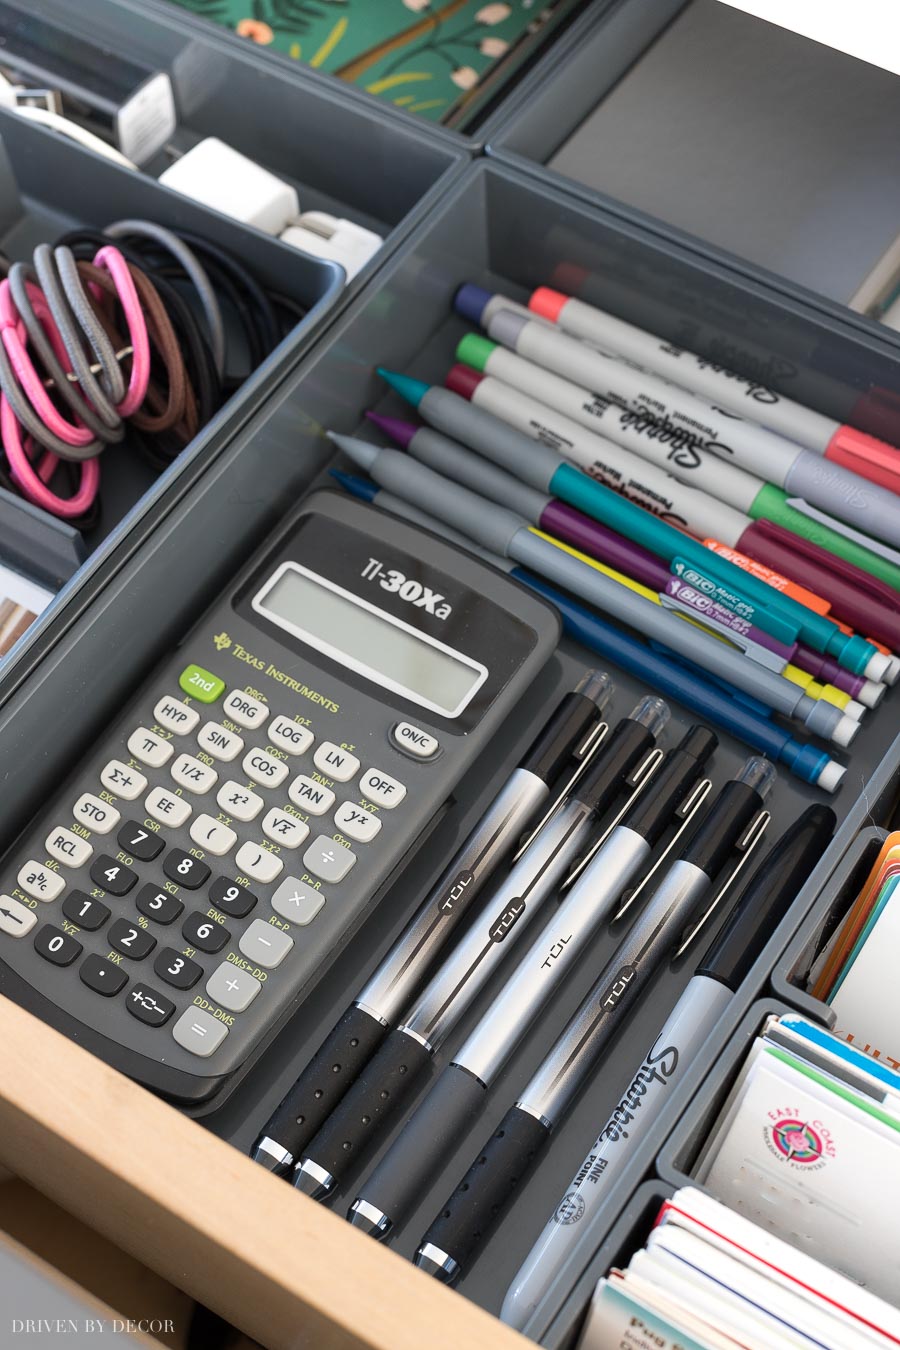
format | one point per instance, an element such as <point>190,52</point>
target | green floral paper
<point>423,56</point>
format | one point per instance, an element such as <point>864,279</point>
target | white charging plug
<point>215,175</point>
<point>333,238</point>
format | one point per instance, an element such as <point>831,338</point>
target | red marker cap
<point>547,304</point>
<point>463,380</point>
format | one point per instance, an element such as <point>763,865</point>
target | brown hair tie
<point>178,409</point>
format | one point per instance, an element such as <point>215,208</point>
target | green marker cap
<point>474,350</point>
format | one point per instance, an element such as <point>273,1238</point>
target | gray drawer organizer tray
<point>508,230</point>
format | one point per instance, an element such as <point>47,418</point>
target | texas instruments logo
<point>415,593</point>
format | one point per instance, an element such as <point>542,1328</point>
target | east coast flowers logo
<point>803,1145</point>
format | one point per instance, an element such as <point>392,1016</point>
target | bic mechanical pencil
<point>736,821</point>
<point>865,601</point>
<point>670,448</point>
<point>561,747</point>
<point>543,468</point>
<point>629,561</point>
<point>658,669</point>
<point>382,1090</point>
<point>458,1096</point>
<point>501,531</point>
<point>865,455</point>
<point>573,1228</point>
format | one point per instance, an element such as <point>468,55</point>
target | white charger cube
<point>218,176</point>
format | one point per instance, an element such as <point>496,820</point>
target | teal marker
<point>545,470</point>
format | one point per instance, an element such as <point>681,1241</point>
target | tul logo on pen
<point>556,950</point>
<point>413,592</point>
<point>452,896</point>
<point>614,991</point>
<point>507,920</point>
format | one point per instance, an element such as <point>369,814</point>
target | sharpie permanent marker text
<point>384,997</point>
<point>573,1227</point>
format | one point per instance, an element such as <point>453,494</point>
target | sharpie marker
<point>491,1183</point>
<point>655,667</point>
<point>628,563</point>
<point>543,468</point>
<point>458,1097</point>
<point>354,1040</point>
<point>672,447</point>
<point>865,455</point>
<point>385,1086</point>
<point>573,1230</point>
<point>503,532</point>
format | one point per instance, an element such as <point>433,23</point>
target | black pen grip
<point>420,1149</point>
<point>380,1094</point>
<point>488,1187</point>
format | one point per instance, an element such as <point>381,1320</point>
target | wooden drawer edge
<point>281,1268</point>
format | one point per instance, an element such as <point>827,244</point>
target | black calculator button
<point>102,976</point>
<point>56,946</point>
<point>205,934</point>
<point>158,905</point>
<point>231,898</point>
<point>130,940</point>
<point>139,842</point>
<point>148,1006</point>
<point>87,913</point>
<point>111,876</point>
<point>179,971</point>
<point>185,869</point>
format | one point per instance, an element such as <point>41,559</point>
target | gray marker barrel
<point>464,466</point>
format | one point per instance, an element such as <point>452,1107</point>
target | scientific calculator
<point>217,847</point>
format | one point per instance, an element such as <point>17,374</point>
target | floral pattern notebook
<point>441,60</point>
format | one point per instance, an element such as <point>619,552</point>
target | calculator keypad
<point>209,941</point>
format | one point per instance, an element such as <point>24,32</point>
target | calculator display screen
<point>378,645</point>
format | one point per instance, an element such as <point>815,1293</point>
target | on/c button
<point>414,740</point>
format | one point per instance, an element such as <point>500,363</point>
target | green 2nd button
<point>204,686</point>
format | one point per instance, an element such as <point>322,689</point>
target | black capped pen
<point>382,1090</point>
<point>735,821</point>
<point>561,748</point>
<point>460,1093</point>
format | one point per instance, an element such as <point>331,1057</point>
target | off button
<point>415,741</point>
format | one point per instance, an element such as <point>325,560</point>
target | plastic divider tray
<point>510,231</point>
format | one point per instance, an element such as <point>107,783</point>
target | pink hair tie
<point>112,260</point>
<point>32,483</point>
<point>14,337</point>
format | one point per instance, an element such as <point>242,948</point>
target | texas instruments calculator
<point>215,849</point>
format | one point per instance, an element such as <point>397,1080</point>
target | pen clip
<point>687,810</point>
<point>639,779</point>
<point>585,754</point>
<point>752,838</point>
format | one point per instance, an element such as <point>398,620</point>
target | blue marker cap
<point>470,301</point>
<point>412,390</point>
<point>363,488</point>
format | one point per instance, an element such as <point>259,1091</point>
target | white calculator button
<point>16,919</point>
<point>265,769</point>
<point>212,836</point>
<point>238,801</point>
<point>175,716</point>
<point>356,823</point>
<point>67,847</point>
<point>219,743</point>
<point>231,988</point>
<point>258,863</point>
<point>335,763</point>
<point>199,1032</point>
<point>382,789</point>
<point>40,882</point>
<point>290,736</point>
<point>265,945</point>
<point>297,901</point>
<point>414,740</point>
<point>167,808</point>
<point>98,815</point>
<point>124,782</point>
<point>310,796</point>
<point>193,774</point>
<point>149,748</point>
<point>245,710</point>
<point>326,859</point>
<point>283,829</point>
